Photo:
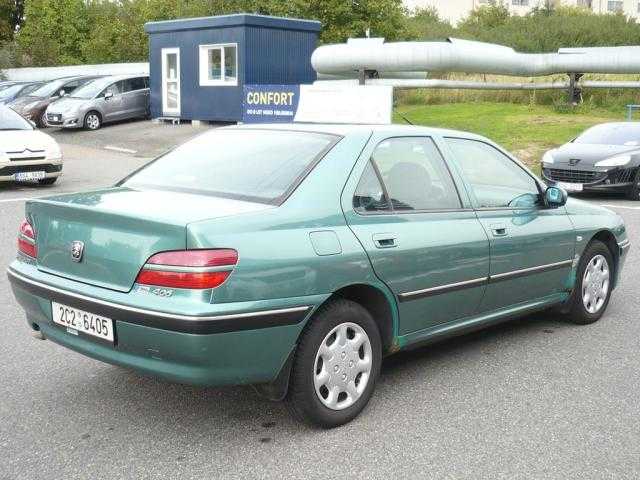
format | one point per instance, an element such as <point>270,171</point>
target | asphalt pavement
<point>535,398</point>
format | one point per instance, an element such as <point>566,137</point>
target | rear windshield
<point>612,134</point>
<point>253,165</point>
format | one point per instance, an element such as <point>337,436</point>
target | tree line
<point>67,32</point>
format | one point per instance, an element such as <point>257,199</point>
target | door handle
<point>384,240</point>
<point>499,230</point>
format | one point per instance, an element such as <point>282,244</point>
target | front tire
<point>633,192</point>
<point>42,121</point>
<point>593,284</point>
<point>92,121</point>
<point>336,365</point>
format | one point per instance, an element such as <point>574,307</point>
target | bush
<point>7,57</point>
<point>548,29</point>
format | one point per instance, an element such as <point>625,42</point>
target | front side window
<point>414,175</point>
<point>495,179</point>
<point>254,165</point>
<point>114,89</point>
<point>219,64</point>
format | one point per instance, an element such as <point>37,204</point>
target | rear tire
<point>92,120</point>
<point>339,350</point>
<point>593,284</point>
<point>48,181</point>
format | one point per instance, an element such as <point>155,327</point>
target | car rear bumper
<point>232,344</point>
<point>615,179</point>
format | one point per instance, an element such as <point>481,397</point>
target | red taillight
<point>27,240</point>
<point>195,269</point>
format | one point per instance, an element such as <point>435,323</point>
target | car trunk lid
<point>120,229</point>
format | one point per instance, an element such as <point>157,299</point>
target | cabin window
<point>219,64</point>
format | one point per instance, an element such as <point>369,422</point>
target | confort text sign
<point>270,103</point>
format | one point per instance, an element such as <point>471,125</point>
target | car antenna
<point>404,118</point>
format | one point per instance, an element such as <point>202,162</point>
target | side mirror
<point>108,95</point>
<point>62,93</point>
<point>555,197</point>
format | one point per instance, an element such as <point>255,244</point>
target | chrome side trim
<point>154,313</point>
<point>527,271</point>
<point>450,287</point>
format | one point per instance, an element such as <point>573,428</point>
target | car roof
<point>349,129</point>
<point>117,78</point>
<point>71,79</point>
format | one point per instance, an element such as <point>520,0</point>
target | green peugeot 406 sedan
<point>295,257</point>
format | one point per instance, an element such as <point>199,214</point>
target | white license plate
<point>570,187</point>
<point>26,176</point>
<point>76,320</point>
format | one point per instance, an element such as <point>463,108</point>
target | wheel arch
<point>609,239</point>
<point>378,301</point>
<point>380,304</point>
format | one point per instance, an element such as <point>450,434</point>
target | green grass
<point>525,130</point>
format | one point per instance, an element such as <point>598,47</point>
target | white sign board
<point>365,104</point>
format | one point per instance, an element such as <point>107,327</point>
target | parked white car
<point>26,154</point>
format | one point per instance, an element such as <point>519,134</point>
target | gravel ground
<point>139,138</point>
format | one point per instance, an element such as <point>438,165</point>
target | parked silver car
<point>106,99</point>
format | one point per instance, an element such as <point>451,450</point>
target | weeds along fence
<point>613,98</point>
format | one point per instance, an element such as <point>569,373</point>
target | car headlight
<point>547,157</point>
<point>614,161</point>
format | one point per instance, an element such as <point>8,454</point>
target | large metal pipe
<point>404,84</point>
<point>456,55</point>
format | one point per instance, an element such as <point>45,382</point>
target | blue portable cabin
<point>198,66</point>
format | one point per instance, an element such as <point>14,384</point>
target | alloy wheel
<point>93,122</point>
<point>342,366</point>
<point>595,284</point>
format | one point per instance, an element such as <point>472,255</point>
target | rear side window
<point>370,196</point>
<point>414,175</point>
<point>253,165</point>
<point>496,180</point>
